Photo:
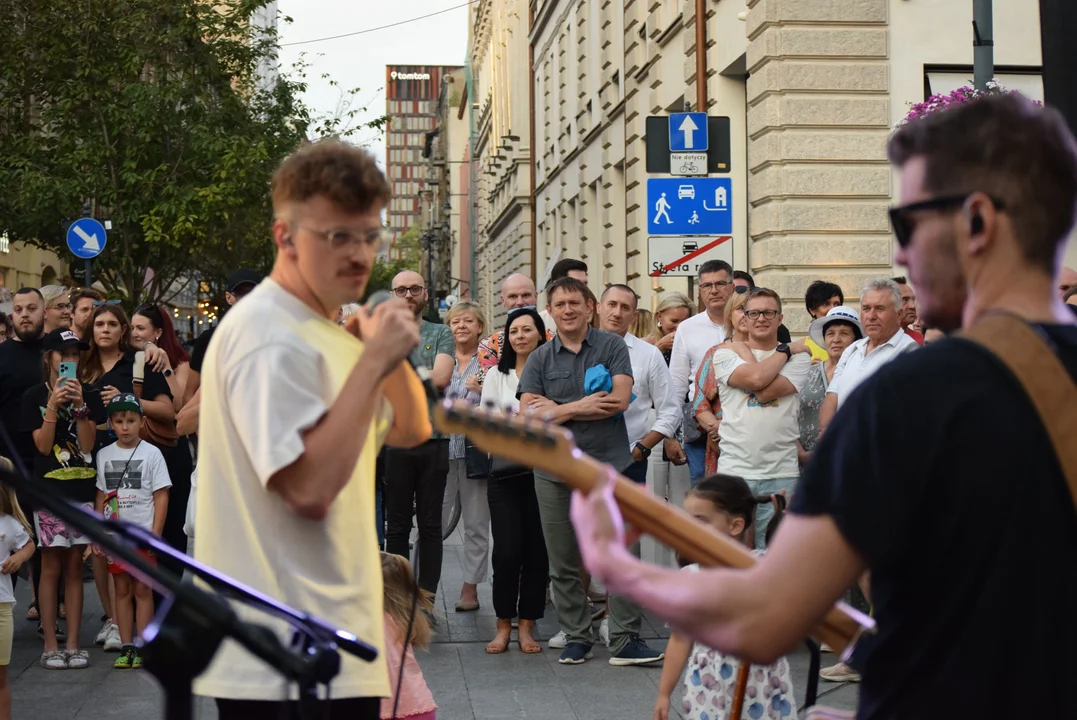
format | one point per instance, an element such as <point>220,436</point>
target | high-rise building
<point>411,103</point>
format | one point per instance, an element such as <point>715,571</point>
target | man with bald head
<point>415,477</point>
<point>517,291</point>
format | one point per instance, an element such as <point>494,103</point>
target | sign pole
<point>89,274</point>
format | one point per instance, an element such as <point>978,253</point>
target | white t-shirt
<point>857,365</point>
<point>694,339</point>
<point>500,389</point>
<point>758,442</point>
<point>272,371</point>
<point>134,475</point>
<point>13,536</point>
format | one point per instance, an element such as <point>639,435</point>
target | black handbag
<point>477,463</point>
<point>501,468</point>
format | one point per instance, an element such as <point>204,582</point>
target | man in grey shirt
<point>553,384</point>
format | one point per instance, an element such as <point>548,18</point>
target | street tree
<point>166,118</point>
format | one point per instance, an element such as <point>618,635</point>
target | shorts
<point>115,567</point>
<point>7,632</point>
<point>53,533</point>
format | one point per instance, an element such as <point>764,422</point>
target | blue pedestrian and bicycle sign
<point>688,131</point>
<point>690,206</point>
<point>86,238</point>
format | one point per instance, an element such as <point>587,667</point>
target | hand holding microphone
<point>387,326</point>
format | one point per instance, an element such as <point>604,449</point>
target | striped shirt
<point>458,389</point>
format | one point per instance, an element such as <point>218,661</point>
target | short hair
<point>900,280</point>
<point>763,292</point>
<point>884,285</point>
<point>52,293</point>
<point>819,292</point>
<point>744,275</point>
<point>29,291</point>
<point>623,288</point>
<point>562,268</point>
<point>1005,146</point>
<point>713,266</point>
<point>466,306</point>
<point>85,293</point>
<point>568,284</point>
<point>343,174</point>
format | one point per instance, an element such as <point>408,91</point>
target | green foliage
<point>157,114</point>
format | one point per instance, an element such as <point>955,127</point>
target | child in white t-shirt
<point>15,549</point>
<point>132,484</point>
<point>727,504</point>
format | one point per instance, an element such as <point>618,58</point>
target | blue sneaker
<point>636,652</point>
<point>575,653</point>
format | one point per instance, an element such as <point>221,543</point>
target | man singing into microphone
<point>293,413</point>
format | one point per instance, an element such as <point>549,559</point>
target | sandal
<point>77,659</point>
<point>500,643</point>
<point>529,647</point>
<point>31,612</point>
<point>54,660</point>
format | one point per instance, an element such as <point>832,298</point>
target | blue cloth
<point>598,379</point>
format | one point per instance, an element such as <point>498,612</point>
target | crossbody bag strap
<point>1032,360</point>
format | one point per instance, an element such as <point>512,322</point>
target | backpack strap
<point>1031,357</point>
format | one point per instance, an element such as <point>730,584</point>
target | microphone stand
<point>187,631</point>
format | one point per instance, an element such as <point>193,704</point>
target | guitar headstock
<point>525,438</point>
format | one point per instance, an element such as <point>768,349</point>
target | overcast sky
<point>360,60</point>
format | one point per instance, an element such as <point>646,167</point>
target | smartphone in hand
<point>67,370</point>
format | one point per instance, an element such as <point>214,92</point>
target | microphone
<point>432,393</point>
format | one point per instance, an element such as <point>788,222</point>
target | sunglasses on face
<point>903,218</point>
<point>741,289</point>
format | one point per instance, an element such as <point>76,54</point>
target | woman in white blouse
<point>521,567</point>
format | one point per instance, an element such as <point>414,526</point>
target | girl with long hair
<point>410,696</point>
<point>150,324</point>
<point>16,548</point>
<point>673,309</point>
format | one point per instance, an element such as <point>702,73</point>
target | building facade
<point>411,93</point>
<point>812,90</point>
<point>501,147</point>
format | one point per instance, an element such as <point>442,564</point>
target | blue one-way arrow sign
<point>86,238</point>
<point>688,131</point>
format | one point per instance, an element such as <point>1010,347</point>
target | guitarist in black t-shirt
<point>971,546</point>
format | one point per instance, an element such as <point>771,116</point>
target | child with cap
<point>132,484</point>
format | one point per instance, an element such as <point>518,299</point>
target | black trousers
<point>521,566</point>
<point>415,484</point>
<point>345,709</point>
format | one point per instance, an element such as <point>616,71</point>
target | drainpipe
<point>701,57</point>
<point>471,175</point>
<point>531,143</point>
<point>983,43</point>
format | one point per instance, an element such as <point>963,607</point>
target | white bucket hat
<point>817,331</point>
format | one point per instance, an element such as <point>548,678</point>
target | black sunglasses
<point>904,224</point>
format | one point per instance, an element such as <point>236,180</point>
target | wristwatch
<point>784,348</point>
<point>643,450</point>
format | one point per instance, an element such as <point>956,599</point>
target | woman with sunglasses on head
<point>151,326</point>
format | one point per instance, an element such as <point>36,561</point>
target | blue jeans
<point>697,460</point>
<point>764,512</point>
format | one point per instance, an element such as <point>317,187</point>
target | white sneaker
<point>113,642</point>
<point>558,641</point>
<point>604,631</point>
<point>839,673</point>
<point>102,634</point>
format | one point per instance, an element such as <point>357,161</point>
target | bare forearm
<point>827,411</point>
<point>160,510</point>
<point>162,410</point>
<point>25,553</point>
<point>87,432</point>
<point>194,382</point>
<point>311,484</point>
<point>99,503</point>
<point>678,649</point>
<point>652,438</point>
<point>187,418</point>
<point>780,387</point>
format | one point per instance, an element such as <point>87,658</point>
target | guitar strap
<point>1030,355</point>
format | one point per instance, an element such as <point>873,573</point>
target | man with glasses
<point>415,477</point>
<point>294,410</point>
<point>758,384</point>
<point>883,342</point>
<point>695,336</point>
<point>742,283</point>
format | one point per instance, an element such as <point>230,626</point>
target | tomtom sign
<point>394,75</point>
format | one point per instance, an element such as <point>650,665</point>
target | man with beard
<point>20,366</point>
<point>415,477</point>
<point>293,413</point>
<point>969,548</point>
<point>84,302</point>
